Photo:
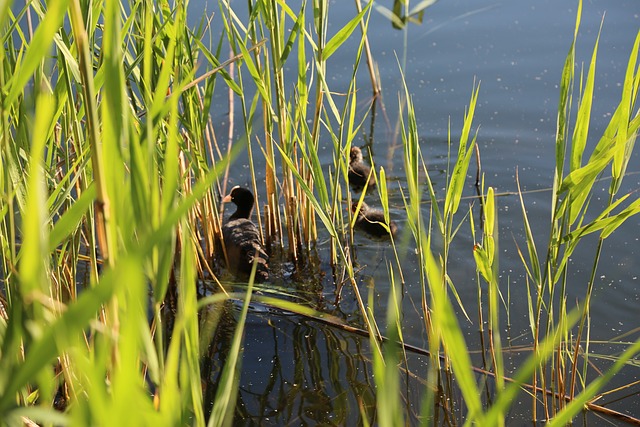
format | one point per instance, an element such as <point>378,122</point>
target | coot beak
<point>226,198</point>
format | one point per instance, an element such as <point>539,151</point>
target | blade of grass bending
<point>223,406</point>
<point>34,244</point>
<point>326,93</point>
<point>386,374</point>
<point>505,399</point>
<point>396,21</point>
<point>456,295</point>
<point>26,307</point>
<point>629,89</point>
<point>344,33</point>
<point>71,219</point>
<point>357,209</point>
<point>312,158</point>
<point>319,209</point>
<point>36,414</point>
<point>73,321</point>
<point>564,106</point>
<point>190,344</point>
<point>608,224</point>
<point>565,416</point>
<point>294,32</point>
<point>129,401</point>
<point>445,321</point>
<point>36,51</point>
<point>288,10</point>
<point>459,175</point>
<point>220,67</point>
<point>255,74</point>
<point>605,150</point>
<point>421,6</point>
<point>581,131</point>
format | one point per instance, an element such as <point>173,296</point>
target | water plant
<point>111,169</point>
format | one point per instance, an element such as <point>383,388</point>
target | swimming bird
<point>242,238</point>
<point>372,221</point>
<point>359,171</point>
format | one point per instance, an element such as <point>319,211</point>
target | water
<point>516,50</point>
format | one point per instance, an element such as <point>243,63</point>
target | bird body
<point>241,237</point>
<point>359,171</point>
<point>372,221</point>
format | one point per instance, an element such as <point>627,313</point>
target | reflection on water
<point>294,373</point>
<point>299,372</point>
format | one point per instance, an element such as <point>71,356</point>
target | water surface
<point>516,51</point>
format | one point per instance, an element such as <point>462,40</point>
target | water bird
<point>359,171</point>
<point>242,238</point>
<point>372,221</point>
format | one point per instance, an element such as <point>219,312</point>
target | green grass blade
<point>54,338</point>
<point>465,150</point>
<point>72,218</point>
<point>344,33</point>
<point>581,132</point>
<point>38,48</point>
<point>223,405</point>
<point>450,333</point>
<point>629,94</point>
<point>577,405</point>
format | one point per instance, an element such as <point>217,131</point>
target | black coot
<point>242,238</point>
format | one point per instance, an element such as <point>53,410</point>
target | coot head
<point>359,171</point>
<point>243,199</point>
<point>355,155</point>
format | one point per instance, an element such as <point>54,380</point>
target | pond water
<point>296,371</point>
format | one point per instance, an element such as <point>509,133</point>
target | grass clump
<point>110,175</point>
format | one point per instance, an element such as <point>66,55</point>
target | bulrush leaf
<point>623,137</point>
<point>465,150</point>
<point>37,49</point>
<point>344,33</point>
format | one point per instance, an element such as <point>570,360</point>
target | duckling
<point>372,221</point>
<point>359,171</point>
<point>242,238</point>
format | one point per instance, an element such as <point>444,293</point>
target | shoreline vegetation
<point>111,173</point>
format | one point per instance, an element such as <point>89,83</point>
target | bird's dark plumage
<point>371,220</point>
<point>242,238</point>
<point>359,171</point>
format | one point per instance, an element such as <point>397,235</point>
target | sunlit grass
<point>111,171</point>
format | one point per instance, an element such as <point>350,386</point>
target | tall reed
<point>111,170</point>
<point>107,189</point>
<point>574,184</point>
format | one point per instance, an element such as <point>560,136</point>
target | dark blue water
<point>515,50</point>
